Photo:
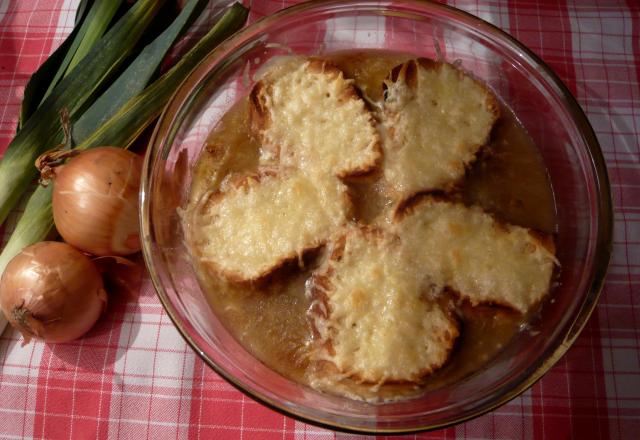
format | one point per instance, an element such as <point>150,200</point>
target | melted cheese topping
<point>380,327</point>
<point>467,250</point>
<point>316,122</point>
<point>255,226</point>
<point>434,129</point>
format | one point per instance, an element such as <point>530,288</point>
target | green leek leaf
<point>96,25</point>
<point>91,30</point>
<point>35,224</point>
<point>132,118</point>
<point>136,77</point>
<point>38,84</point>
<point>81,11</point>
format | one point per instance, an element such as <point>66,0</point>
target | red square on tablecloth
<point>87,403</point>
<point>260,417</point>
<point>221,411</point>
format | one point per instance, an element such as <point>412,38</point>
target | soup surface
<point>508,180</point>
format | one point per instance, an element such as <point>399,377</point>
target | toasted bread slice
<point>435,119</point>
<point>371,319</point>
<point>256,223</point>
<point>467,250</point>
<point>309,116</point>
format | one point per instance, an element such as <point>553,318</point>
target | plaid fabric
<point>134,377</point>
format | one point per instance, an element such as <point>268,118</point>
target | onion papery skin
<point>52,291</point>
<point>95,201</point>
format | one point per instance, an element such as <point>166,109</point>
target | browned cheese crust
<point>467,250</point>
<point>308,116</point>
<point>258,222</point>
<point>372,320</point>
<point>435,119</point>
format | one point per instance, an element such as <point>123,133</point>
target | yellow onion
<point>52,291</point>
<point>95,201</point>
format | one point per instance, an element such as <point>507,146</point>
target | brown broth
<point>509,180</point>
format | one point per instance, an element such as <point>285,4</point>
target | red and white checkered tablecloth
<point>134,377</point>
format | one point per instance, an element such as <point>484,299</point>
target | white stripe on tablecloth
<point>66,21</point>
<point>4,6</point>
<point>368,32</point>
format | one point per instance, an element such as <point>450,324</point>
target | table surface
<point>133,376</point>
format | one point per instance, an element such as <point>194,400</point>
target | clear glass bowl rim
<point>604,211</point>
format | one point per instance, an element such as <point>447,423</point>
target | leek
<point>40,81</point>
<point>139,112</point>
<point>91,30</point>
<point>136,77</point>
<point>43,131</point>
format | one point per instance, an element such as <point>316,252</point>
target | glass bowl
<point>538,98</point>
